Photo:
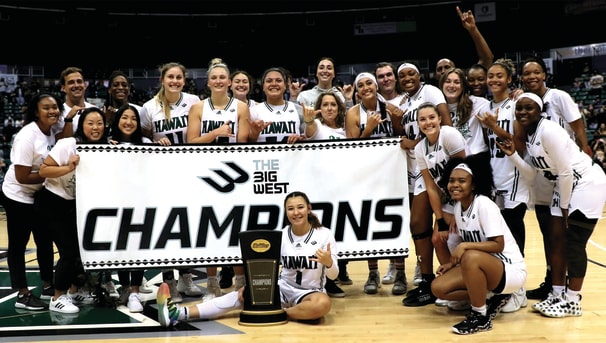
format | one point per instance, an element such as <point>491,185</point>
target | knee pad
<point>425,234</point>
<point>578,232</point>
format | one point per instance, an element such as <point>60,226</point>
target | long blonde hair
<point>160,96</point>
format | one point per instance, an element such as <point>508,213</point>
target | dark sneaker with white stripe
<point>474,322</point>
<point>30,302</point>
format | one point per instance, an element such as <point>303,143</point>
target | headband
<point>363,75</point>
<point>463,166</point>
<point>532,97</point>
<point>408,65</point>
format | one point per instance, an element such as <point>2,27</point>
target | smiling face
<point>218,80</point>
<point>460,186</point>
<point>74,87</point>
<point>410,80</point>
<point>274,84</point>
<point>325,71</point>
<point>173,80</point>
<point>47,112</point>
<point>498,80</point>
<point>240,86</point>
<point>476,79</point>
<point>93,126</point>
<point>528,112</point>
<point>119,89</point>
<point>386,78</point>
<point>533,77</point>
<point>128,123</point>
<point>367,89</point>
<point>429,122</point>
<point>297,211</point>
<point>452,87</point>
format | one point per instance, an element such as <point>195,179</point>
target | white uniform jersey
<point>297,269</point>
<point>60,124</point>
<point>434,157</point>
<point>579,183</point>
<point>483,220</point>
<point>152,118</point>
<point>325,132</point>
<point>427,93</point>
<point>385,129</point>
<point>285,121</point>
<point>472,129</point>
<point>511,186</point>
<point>310,96</point>
<point>213,118</point>
<point>29,149</point>
<point>560,108</point>
<point>63,186</point>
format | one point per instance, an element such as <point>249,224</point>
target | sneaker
<point>187,286</point>
<point>567,307</point>
<point>552,298</point>
<point>474,322</point>
<point>390,275</point>
<point>333,290</point>
<point>344,278</point>
<point>495,304</point>
<point>47,292</point>
<point>111,289</point>
<point>145,288</point>
<point>420,296</point>
<point>540,293</point>
<point>63,304</point>
<point>174,293</point>
<point>30,302</point>
<point>212,287</point>
<point>168,311</point>
<point>441,302</point>
<point>373,283</point>
<point>81,297</point>
<point>134,303</point>
<point>226,276</point>
<point>400,284</point>
<point>459,305</point>
<point>418,276</point>
<point>124,294</point>
<point>516,301</point>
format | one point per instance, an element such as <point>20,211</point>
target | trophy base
<point>263,318</point>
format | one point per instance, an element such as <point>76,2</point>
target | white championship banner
<point>150,206</point>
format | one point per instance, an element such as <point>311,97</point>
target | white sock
<point>480,310</point>
<point>218,306</point>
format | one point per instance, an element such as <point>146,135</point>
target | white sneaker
<point>63,304</point>
<point>418,276</point>
<point>187,286</point>
<point>111,289</point>
<point>516,301</point>
<point>390,275</point>
<point>134,303</point>
<point>552,298</point>
<point>441,302</point>
<point>81,297</point>
<point>145,288</point>
<point>567,307</point>
<point>174,293</point>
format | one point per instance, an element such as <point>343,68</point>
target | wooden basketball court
<point>356,318</point>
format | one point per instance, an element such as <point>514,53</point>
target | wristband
<point>442,226</point>
<point>68,120</point>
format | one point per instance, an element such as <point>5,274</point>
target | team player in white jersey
<point>218,119</point>
<point>560,108</point>
<point>486,262</point>
<point>308,257</point>
<point>164,121</point>
<point>276,120</point>
<point>578,199</point>
<point>164,117</point>
<point>512,187</point>
<point>418,92</point>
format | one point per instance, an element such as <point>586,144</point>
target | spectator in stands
<point>595,82</point>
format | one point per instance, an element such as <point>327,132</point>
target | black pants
<point>21,222</point>
<point>60,214</point>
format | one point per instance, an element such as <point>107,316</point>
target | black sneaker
<point>226,276</point>
<point>495,304</point>
<point>30,302</point>
<point>333,290</point>
<point>539,293</point>
<point>47,292</point>
<point>420,296</point>
<point>474,322</point>
<point>344,278</point>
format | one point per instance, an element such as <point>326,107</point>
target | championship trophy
<point>261,255</point>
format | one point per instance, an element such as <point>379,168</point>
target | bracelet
<point>68,120</point>
<point>309,122</point>
<point>442,226</point>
